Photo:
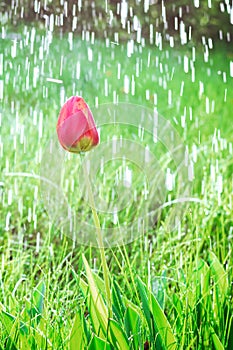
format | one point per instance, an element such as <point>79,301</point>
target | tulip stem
<point>99,238</point>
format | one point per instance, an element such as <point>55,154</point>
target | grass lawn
<point>170,289</point>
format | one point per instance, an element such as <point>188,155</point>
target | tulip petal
<point>72,128</point>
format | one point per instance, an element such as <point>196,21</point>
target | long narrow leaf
<point>118,303</point>
<point>132,325</point>
<point>98,303</point>
<point>162,324</point>
<point>118,336</point>
<point>77,334</point>
<point>38,302</point>
<point>92,310</point>
<point>217,343</point>
<point>99,344</point>
<point>9,320</point>
<point>220,275</point>
<point>38,296</point>
<point>145,305</point>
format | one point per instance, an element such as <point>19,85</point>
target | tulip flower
<point>76,127</point>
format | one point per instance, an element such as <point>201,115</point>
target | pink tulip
<point>76,127</point>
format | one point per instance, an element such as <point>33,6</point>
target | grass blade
<point>8,321</point>
<point>97,300</point>
<point>118,304</point>
<point>145,306</point>
<point>92,309</point>
<point>217,343</point>
<point>132,325</point>
<point>38,297</point>
<point>38,301</point>
<point>118,336</point>
<point>98,343</point>
<point>220,275</point>
<point>161,323</point>
<point>77,334</point>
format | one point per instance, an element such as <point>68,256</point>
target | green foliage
<point>161,332</point>
<point>98,343</point>
<point>136,325</point>
<point>26,334</point>
<point>76,336</point>
<point>217,343</point>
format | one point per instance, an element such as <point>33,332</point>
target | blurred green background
<point>127,19</point>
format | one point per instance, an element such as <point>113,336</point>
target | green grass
<point>170,290</point>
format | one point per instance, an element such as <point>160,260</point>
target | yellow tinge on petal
<point>83,145</point>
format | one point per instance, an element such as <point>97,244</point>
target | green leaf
<point>10,345</point>
<point>38,302</point>
<point>178,307</point>
<point>9,322</point>
<point>118,304</point>
<point>158,288</point>
<point>84,287</point>
<point>205,281</point>
<point>161,323</point>
<point>154,338</point>
<point>220,275</point>
<point>97,305</point>
<point>77,334</point>
<point>118,336</point>
<point>38,296</point>
<point>132,325</point>
<point>98,344</point>
<point>145,306</point>
<point>230,334</point>
<point>14,329</point>
<point>217,343</point>
<point>199,290</point>
<point>24,343</point>
<point>92,309</point>
<point>99,282</point>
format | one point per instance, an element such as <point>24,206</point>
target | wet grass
<point>188,271</point>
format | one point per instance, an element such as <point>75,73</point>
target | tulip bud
<point>76,129</point>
